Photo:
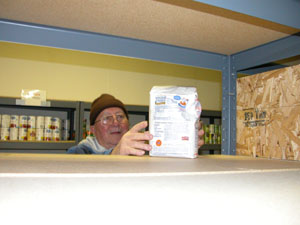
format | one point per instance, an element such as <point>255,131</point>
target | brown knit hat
<point>103,102</point>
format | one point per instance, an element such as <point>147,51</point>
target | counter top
<point>87,189</point>
<point>109,164</point>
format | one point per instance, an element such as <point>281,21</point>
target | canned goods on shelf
<point>31,134</point>
<point>39,134</point>
<point>48,123</point>
<point>40,122</point>
<point>211,128</point>
<point>4,134</point>
<point>47,134</point>
<point>22,121</point>
<point>5,122</point>
<point>22,134</point>
<point>14,121</point>
<point>13,133</point>
<point>56,123</point>
<point>56,135</point>
<point>31,122</point>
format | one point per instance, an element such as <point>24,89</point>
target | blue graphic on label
<point>177,97</point>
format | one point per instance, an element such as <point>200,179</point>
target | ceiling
<point>182,23</point>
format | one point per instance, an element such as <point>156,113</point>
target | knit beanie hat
<point>103,102</point>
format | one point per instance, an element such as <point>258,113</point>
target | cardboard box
<point>268,114</point>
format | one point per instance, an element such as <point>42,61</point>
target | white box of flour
<point>174,114</point>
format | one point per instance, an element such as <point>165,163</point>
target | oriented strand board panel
<point>268,114</point>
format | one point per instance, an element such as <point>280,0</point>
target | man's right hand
<point>133,142</point>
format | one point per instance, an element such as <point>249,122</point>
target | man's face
<point>111,124</point>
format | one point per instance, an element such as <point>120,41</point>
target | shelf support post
<point>229,76</point>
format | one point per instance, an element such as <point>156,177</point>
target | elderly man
<point>110,125</point>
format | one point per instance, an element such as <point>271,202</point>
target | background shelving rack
<point>71,108</point>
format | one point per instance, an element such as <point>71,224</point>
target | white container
<point>22,134</point>
<point>174,120</point>
<point>31,122</point>
<point>40,122</point>
<point>14,121</point>
<point>23,121</point>
<point>4,133</point>
<point>13,133</point>
<point>39,134</point>
<point>56,135</point>
<point>56,123</point>
<point>47,134</point>
<point>48,122</point>
<point>5,122</point>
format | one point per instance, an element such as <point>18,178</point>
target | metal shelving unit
<point>229,65</point>
<point>70,108</point>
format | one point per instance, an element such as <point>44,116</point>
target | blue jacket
<point>89,145</point>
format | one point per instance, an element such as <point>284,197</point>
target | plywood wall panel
<point>268,114</point>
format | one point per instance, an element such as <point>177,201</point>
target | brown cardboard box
<point>268,114</point>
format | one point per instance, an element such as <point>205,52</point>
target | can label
<point>22,134</point>
<point>22,121</point>
<point>14,121</point>
<point>206,133</point>
<point>5,122</point>
<point>48,123</point>
<point>40,122</point>
<point>13,133</point>
<point>31,134</point>
<point>4,134</point>
<point>31,122</point>
<point>56,123</point>
<point>39,134</point>
<point>47,134</point>
<point>56,136</point>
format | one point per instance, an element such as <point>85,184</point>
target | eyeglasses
<point>109,120</point>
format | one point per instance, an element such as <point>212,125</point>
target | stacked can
<point>14,127</point>
<point>211,133</point>
<point>216,132</point>
<point>206,133</point>
<point>40,126</point>
<point>5,124</point>
<point>220,135</point>
<point>31,133</point>
<point>22,128</point>
<point>48,129</point>
<point>56,127</point>
<point>65,132</point>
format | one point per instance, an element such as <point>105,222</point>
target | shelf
<point>36,145</point>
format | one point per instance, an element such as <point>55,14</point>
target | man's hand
<point>133,142</point>
<point>200,135</point>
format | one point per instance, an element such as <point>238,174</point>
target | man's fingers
<point>139,136</point>
<point>141,125</point>
<point>141,146</point>
<point>133,151</point>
